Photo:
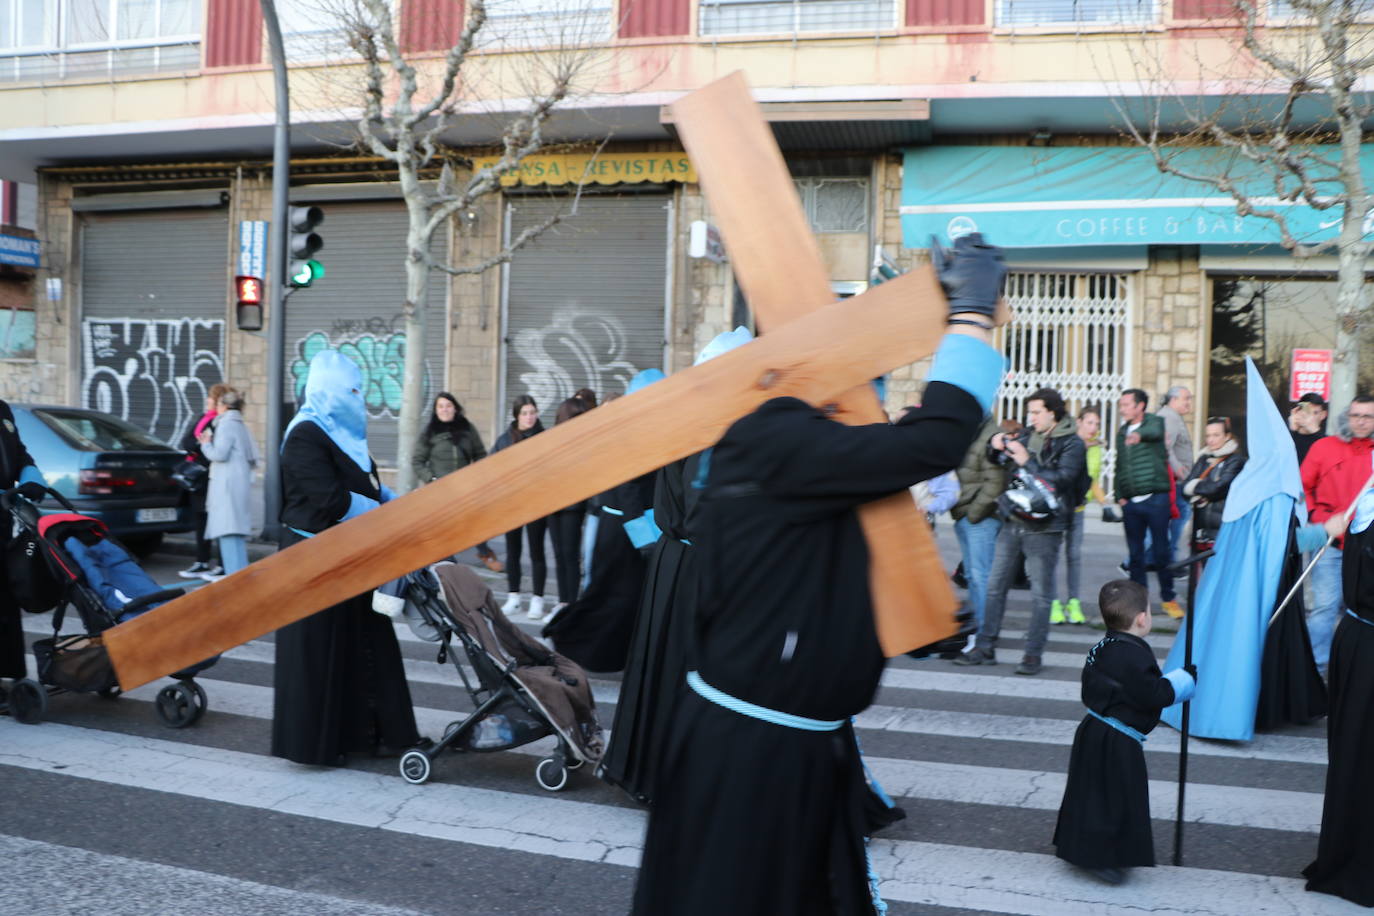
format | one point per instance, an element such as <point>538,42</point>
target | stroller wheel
<point>202,701</point>
<point>28,701</point>
<point>415,767</point>
<point>551,774</point>
<point>176,705</point>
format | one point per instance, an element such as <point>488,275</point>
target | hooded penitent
<point>334,403</point>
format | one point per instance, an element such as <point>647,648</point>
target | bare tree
<point>1274,160</point>
<point>407,108</point>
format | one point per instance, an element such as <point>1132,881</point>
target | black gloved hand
<point>1191,669</point>
<point>972,273</point>
<point>32,491</point>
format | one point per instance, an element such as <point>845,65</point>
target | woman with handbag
<point>232,454</point>
<point>197,483</point>
<point>448,443</point>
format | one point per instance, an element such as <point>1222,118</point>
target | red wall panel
<point>1204,9</point>
<point>654,18</point>
<point>233,33</point>
<point>430,25</point>
<point>944,12</point>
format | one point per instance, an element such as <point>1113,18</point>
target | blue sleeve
<point>31,474</point>
<point>969,364</point>
<point>388,494</point>
<point>1183,684</point>
<point>357,505</point>
<point>1310,537</point>
<point>643,531</point>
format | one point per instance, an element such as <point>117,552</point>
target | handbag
<point>191,476</point>
<point>77,662</point>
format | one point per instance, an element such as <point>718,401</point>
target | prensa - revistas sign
<point>593,168</point>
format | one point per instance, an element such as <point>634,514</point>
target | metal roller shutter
<point>585,302</point>
<point>356,308</point>
<point>153,301</point>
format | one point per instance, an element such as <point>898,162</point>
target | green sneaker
<point>1076,612</point>
<point>1056,612</point>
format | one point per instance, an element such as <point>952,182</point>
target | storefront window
<point>1267,318</point>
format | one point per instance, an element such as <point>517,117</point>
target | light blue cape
<point>334,403</point>
<point>1240,585</point>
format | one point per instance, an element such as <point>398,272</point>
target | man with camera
<point>1048,480</point>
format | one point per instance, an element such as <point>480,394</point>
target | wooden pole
<point>815,358</point>
<point>744,175</point>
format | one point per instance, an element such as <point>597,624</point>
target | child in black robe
<point>1104,820</point>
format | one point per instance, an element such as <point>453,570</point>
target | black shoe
<point>1113,876</point>
<point>194,570</point>
<point>958,577</point>
<point>1030,665</point>
<point>977,656</point>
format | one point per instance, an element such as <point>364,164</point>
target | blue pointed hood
<point>334,403</point>
<point>1272,465</point>
<point>644,379</point>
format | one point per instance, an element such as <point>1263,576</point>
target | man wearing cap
<point>1307,421</point>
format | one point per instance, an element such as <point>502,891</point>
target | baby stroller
<point>67,559</point>
<point>524,691</point>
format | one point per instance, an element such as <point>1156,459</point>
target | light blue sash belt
<point>1119,726</point>
<point>745,708</point>
<point>304,534</point>
<point>1368,623</point>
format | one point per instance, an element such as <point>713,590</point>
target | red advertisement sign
<point>1311,372</point>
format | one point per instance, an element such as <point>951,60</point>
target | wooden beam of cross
<point>745,179</point>
<point>817,358</point>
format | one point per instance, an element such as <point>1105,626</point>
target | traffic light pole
<point>277,238</point>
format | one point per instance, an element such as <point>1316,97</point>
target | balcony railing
<point>109,59</point>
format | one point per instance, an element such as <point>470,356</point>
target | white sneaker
<point>536,608</point>
<point>512,604</point>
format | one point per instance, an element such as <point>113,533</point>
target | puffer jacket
<point>1141,469</point>
<point>1208,483</point>
<point>1060,459</point>
<point>981,479</point>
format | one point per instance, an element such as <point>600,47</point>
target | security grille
<point>1071,333</point>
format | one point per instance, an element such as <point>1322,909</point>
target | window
<point>312,30</point>
<point>774,17</point>
<point>835,204</point>
<point>546,23</point>
<point>54,39</point>
<point>1076,12</point>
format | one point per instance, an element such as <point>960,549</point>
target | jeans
<point>1149,515</point>
<point>1073,553</point>
<point>977,544</point>
<point>1042,554</point>
<point>566,527</point>
<point>1328,603</point>
<point>1177,526</point>
<point>233,553</point>
<point>539,569</point>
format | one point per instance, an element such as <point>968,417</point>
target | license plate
<point>156,515</point>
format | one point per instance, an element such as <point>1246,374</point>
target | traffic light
<point>248,312</point>
<point>302,243</point>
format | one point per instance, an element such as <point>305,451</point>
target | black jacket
<point>1062,462</point>
<point>1208,494</point>
<point>13,456</point>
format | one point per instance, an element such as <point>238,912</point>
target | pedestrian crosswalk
<point>976,756</point>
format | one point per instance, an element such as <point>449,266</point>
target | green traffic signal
<point>304,273</point>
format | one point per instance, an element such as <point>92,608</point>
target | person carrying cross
<point>760,796</point>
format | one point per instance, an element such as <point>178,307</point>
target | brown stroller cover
<point>557,684</point>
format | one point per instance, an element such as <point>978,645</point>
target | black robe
<point>1291,690</point>
<point>340,683</point>
<point>661,643</point>
<point>14,457</point>
<point>752,817</point>
<point>1104,820</point>
<point>594,630</point>
<point>1345,851</point>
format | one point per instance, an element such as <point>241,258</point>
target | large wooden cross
<point>820,351</point>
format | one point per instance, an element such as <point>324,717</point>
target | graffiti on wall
<point>377,348</point>
<point>155,373</point>
<point>578,349</point>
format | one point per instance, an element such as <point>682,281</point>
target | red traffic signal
<point>249,290</point>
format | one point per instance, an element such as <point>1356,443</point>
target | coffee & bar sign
<point>596,168</point>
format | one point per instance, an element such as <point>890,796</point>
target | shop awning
<point>1023,197</point>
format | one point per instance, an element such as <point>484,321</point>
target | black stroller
<point>524,691</point>
<point>66,559</point>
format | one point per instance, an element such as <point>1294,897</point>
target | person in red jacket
<point>1333,474</point>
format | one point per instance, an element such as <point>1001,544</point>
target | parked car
<point>109,469</point>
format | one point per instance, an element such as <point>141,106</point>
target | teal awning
<point>1041,197</point>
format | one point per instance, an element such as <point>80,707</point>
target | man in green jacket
<point>1142,489</point>
<point>981,481</point>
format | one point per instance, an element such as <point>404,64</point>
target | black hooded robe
<point>750,816</point>
<point>594,630</point>
<point>1291,690</point>
<point>14,457</point>
<point>340,685</point>
<point>1345,851</point>
<point>661,643</point>
<point>1104,819</point>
